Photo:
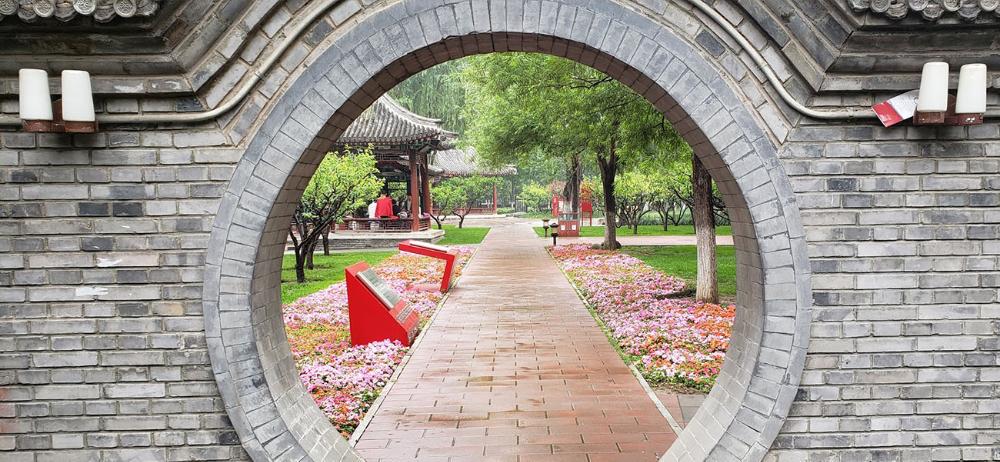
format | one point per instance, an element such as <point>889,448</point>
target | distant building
<point>461,162</point>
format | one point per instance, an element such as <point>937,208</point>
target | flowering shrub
<point>343,379</point>
<point>674,340</point>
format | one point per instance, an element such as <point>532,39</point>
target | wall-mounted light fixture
<point>970,104</point>
<point>74,113</point>
<point>932,101</point>
<point>34,100</point>
<point>78,102</point>
<point>935,106</point>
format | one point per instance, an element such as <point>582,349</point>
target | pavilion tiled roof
<point>465,162</point>
<point>386,122</point>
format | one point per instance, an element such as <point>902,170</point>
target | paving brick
<point>480,318</point>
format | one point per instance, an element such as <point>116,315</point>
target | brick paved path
<point>515,369</point>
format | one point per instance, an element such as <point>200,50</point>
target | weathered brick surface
<point>127,258</point>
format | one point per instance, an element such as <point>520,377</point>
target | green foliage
<point>459,195</point>
<point>520,105</point>
<point>446,198</point>
<point>328,270</point>
<point>473,190</point>
<point>535,196</point>
<point>437,92</point>
<point>632,194</point>
<point>341,184</point>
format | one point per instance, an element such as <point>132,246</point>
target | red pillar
<point>425,181</point>
<point>494,198</point>
<point>414,193</point>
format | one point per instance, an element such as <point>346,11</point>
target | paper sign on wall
<point>897,109</point>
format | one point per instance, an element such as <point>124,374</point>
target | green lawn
<point>453,235</point>
<point>328,269</point>
<point>646,230</point>
<point>681,261</point>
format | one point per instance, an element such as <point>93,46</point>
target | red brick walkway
<point>514,368</point>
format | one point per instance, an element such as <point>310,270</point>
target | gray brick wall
<point>102,351</point>
<point>104,241</point>
<point>903,231</point>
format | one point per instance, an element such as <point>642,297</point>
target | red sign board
<point>434,251</point>
<point>569,228</point>
<point>375,310</point>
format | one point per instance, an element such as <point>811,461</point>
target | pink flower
<point>344,379</point>
<point>673,339</point>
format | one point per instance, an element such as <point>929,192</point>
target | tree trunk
<point>300,270</point>
<point>704,228</point>
<point>326,241</point>
<point>572,189</point>
<point>609,168</point>
<point>309,255</point>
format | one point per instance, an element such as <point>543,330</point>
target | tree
<point>704,229</point>
<point>435,92</point>
<point>669,187</point>
<point>470,192</point>
<point>446,196</point>
<point>534,196</point>
<point>632,191</point>
<point>342,183</point>
<point>520,105</point>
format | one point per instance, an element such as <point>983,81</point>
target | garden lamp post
<point>545,227</point>
<point>554,236</point>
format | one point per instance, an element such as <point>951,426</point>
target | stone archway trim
<point>277,420</point>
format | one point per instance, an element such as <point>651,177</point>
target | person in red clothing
<point>383,207</point>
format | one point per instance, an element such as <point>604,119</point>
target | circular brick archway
<point>356,63</point>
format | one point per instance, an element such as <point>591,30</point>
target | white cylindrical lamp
<point>78,102</point>
<point>34,101</point>
<point>932,99</point>
<point>970,104</point>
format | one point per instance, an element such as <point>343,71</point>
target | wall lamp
<point>935,106</point>
<point>74,113</point>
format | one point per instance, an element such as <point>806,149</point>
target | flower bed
<point>674,340</point>
<point>343,379</point>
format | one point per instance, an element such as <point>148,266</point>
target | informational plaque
<point>434,251</point>
<point>375,310</point>
<point>379,287</point>
<point>428,245</point>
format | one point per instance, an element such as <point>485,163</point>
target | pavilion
<point>459,162</point>
<point>401,142</point>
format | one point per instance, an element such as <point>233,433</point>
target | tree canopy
<point>436,92</point>
<point>520,105</point>
<point>342,183</point>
